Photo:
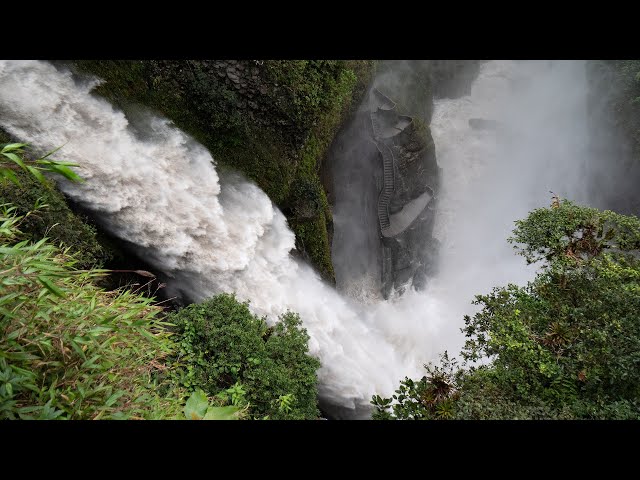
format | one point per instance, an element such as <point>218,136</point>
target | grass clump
<point>70,350</point>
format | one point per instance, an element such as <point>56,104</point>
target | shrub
<point>224,345</point>
<point>566,345</point>
<point>70,350</point>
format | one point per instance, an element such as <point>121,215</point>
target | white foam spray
<point>490,178</point>
<point>162,193</point>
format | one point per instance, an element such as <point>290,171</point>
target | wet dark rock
<point>385,159</point>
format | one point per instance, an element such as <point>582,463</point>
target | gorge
<point>422,197</point>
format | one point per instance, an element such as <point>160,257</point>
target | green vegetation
<point>233,356</point>
<point>68,349</point>
<point>274,123</point>
<point>198,408</point>
<point>23,189</point>
<point>71,350</point>
<point>14,160</point>
<point>565,346</point>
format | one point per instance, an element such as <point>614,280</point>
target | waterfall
<point>159,190</point>
<point>494,176</point>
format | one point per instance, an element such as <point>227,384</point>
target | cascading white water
<point>495,176</point>
<point>162,193</point>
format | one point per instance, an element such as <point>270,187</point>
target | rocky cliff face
<point>386,178</point>
<point>453,78</point>
<point>408,185</point>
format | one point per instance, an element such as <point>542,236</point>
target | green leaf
<point>113,398</point>
<point>64,171</point>
<point>196,406</point>
<point>15,159</point>
<point>36,173</point>
<point>49,285</point>
<point>6,173</point>
<point>12,146</point>
<point>20,356</point>
<point>52,152</point>
<point>229,412</point>
<point>6,313</point>
<point>91,362</point>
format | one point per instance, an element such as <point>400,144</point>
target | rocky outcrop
<point>273,121</point>
<point>385,184</point>
<point>406,199</point>
<point>453,78</point>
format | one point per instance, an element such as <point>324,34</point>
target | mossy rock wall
<point>271,119</point>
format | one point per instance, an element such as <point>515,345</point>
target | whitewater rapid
<point>161,192</point>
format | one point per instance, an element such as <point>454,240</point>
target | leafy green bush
<point>198,408</point>
<point>430,398</point>
<point>70,350</point>
<point>565,346</point>
<point>310,88</point>
<point>227,350</point>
